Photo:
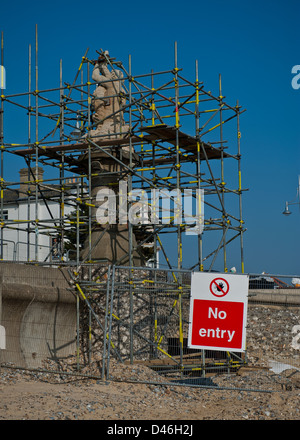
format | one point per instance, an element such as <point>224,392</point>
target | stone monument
<point>108,124</point>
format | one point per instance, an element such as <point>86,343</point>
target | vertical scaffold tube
<point>178,201</point>
<point>178,207</point>
<point>2,141</point>
<point>29,142</point>
<point>240,188</point>
<point>130,232</point>
<point>200,253</point>
<point>36,143</point>
<point>61,170</point>
<point>222,175</point>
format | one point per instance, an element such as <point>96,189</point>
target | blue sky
<point>253,44</point>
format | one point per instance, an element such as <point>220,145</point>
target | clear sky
<point>253,44</point>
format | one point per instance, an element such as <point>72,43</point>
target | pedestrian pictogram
<point>219,287</point>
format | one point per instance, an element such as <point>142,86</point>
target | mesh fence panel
<point>273,330</point>
<point>131,324</point>
<point>149,318</point>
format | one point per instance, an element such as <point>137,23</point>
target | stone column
<point>114,243</point>
<point>108,101</point>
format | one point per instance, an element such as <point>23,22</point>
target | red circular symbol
<point>219,287</point>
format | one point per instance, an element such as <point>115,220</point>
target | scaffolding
<point>169,136</point>
<point>155,152</point>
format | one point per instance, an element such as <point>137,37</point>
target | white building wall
<point>15,236</point>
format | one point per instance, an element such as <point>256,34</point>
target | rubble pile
<point>266,388</point>
<point>271,335</point>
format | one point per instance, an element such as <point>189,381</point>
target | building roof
<point>15,196</point>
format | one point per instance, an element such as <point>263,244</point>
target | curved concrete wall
<point>38,313</point>
<point>275,296</point>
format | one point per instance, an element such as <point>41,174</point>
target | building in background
<point>20,239</point>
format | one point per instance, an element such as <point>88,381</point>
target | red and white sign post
<point>218,311</point>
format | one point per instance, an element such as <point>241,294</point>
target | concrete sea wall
<point>38,313</point>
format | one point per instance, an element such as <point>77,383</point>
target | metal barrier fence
<point>131,324</point>
<point>149,324</point>
<point>273,327</point>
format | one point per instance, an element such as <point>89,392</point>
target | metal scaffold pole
<point>224,215</point>
<point>240,189</point>
<point>29,158</point>
<point>177,209</point>
<point>36,177</point>
<point>198,169</point>
<point>62,168</point>
<point>130,229</point>
<point>2,140</point>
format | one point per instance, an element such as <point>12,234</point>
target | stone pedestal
<point>109,241</point>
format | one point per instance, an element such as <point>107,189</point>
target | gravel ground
<point>36,397</point>
<point>261,392</point>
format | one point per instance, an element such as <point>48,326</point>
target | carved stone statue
<point>108,100</point>
<point>111,243</point>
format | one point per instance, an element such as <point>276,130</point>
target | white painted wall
<point>15,235</point>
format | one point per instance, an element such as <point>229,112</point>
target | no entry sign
<point>218,311</point>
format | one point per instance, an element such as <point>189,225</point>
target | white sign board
<point>218,311</point>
